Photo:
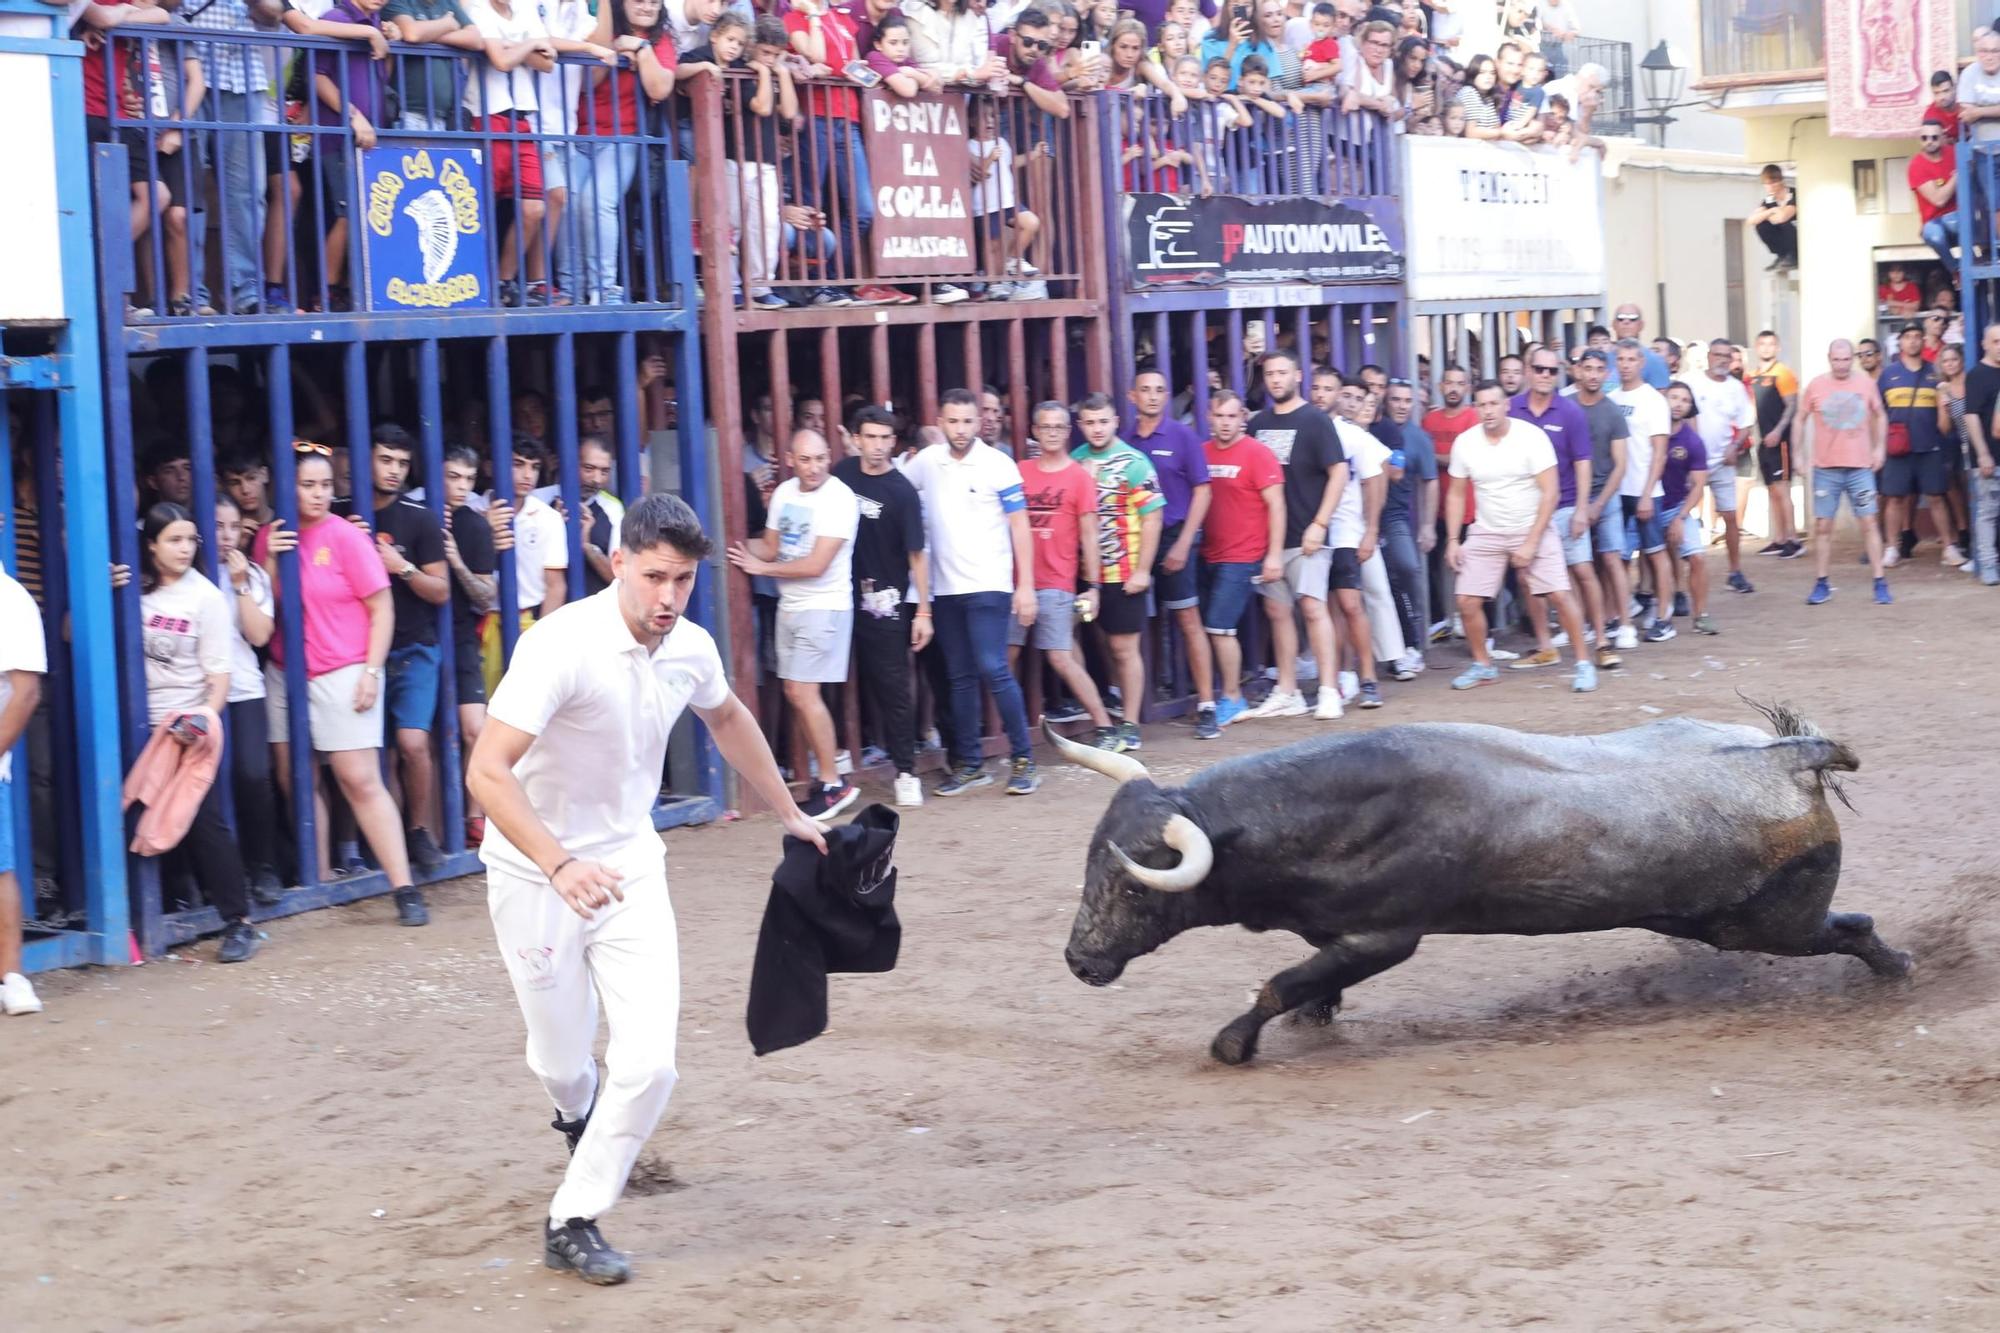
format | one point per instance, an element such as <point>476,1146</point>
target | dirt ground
<point>1579,1133</point>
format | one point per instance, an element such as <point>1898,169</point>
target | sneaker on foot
<point>410,909</point>
<point>1479,673</point>
<point>1329,706</point>
<point>1625,639</point>
<point>1738,582</point>
<point>1608,660</point>
<point>239,941</point>
<point>1280,703</point>
<point>946,293</point>
<point>1775,548</point>
<point>1882,597</point>
<point>1891,558</point>
<point>1793,550</point>
<point>1501,654</point>
<point>1128,736</point>
<point>1661,631</point>
<point>1952,556</point>
<point>1206,728</point>
<point>1023,780</point>
<point>1228,710</point>
<point>1349,684</point>
<point>1371,694</point>
<point>829,800</point>
<point>571,1130</point>
<point>1107,738</point>
<point>17,995</point>
<point>1705,624</point>
<point>964,779</point>
<point>1682,606</point>
<point>1585,679</point>
<point>1820,593</point>
<point>265,890</point>
<point>909,791</point>
<point>425,854</point>
<point>1540,658</point>
<point>577,1246</point>
<point>1065,710</point>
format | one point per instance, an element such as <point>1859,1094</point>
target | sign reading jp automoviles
<point>1490,219</point>
<point>922,174</point>
<point>423,216</point>
<point>1176,240</point>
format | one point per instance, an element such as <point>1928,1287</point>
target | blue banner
<point>423,225</point>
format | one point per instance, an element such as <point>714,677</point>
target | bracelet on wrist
<point>560,868</point>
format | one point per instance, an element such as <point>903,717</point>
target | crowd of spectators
<point>577,110</point>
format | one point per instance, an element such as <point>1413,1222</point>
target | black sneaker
<point>239,941</point>
<point>1205,727</point>
<point>410,909</point>
<point>829,800</point>
<point>1371,694</point>
<point>265,889</point>
<point>577,1246</point>
<point>572,1130</point>
<point>1681,605</point>
<point>1792,551</point>
<point>1738,583</point>
<point>1024,779</point>
<point>963,780</point>
<point>1661,631</point>
<point>1774,548</point>
<point>425,854</point>
<point>1068,710</point>
<point>1128,734</point>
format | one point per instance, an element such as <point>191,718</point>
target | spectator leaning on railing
<point>953,40</point>
<point>239,93</point>
<point>1025,48</point>
<point>1979,87</point>
<point>632,30</point>
<point>501,101</point>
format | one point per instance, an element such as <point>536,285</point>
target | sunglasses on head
<point>308,447</point>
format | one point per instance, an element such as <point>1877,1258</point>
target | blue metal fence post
<point>291,627</point>
<point>500,427</point>
<point>15,811</point>
<point>430,441</point>
<point>564,408</point>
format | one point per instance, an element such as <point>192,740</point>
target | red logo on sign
<point>1232,240</point>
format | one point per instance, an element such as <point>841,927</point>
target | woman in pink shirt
<point>347,618</point>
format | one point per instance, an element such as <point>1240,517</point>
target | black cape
<point>832,913</point>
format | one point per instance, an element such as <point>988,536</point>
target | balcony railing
<point>1763,40</point>
<point>1614,117</point>
<point>1320,151</point>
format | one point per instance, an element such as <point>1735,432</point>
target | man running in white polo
<point>568,770</point>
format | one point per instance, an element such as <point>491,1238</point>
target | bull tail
<point>1808,749</point>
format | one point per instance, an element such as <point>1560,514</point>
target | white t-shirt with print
<point>1503,474</point>
<point>800,518</point>
<point>1724,407</point>
<point>187,634</point>
<point>966,506</point>
<point>1646,415</point>
<point>495,91</point>
<point>1366,456</point>
<point>600,709</point>
<point>557,91</point>
<point>22,648</point>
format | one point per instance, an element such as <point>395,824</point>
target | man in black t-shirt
<point>1304,440</point>
<point>1982,397</point>
<point>471,550</point>
<point>889,566</point>
<point>411,542</point>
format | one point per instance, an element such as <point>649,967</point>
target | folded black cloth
<point>832,913</point>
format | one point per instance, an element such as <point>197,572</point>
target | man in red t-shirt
<point>1934,181</point>
<point>837,160</point>
<point>1242,539</point>
<point>1062,526</point>
<point>1445,423</point>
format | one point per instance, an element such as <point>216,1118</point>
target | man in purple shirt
<point>346,89</point>
<point>1569,431</point>
<point>1182,466</point>
<point>1026,49</point>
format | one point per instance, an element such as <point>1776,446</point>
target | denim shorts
<point>1830,483</point>
<point>413,687</point>
<point>1174,589</point>
<point>1643,535</point>
<point>1576,550</point>
<point>1226,592</point>
<point>1607,535</point>
<point>1691,544</point>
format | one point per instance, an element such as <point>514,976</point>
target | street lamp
<point>1665,79</point>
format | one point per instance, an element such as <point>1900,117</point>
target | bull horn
<point>1197,858</point>
<point>1120,768</point>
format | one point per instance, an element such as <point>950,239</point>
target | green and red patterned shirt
<point>1127,489</point>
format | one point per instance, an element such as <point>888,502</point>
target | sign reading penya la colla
<point>921,162</point>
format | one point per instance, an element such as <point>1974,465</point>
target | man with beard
<point>1727,421</point>
<point>1445,423</point>
<point>1602,512</point>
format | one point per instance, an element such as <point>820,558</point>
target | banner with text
<point>1183,240</point>
<point>921,165</point>
<point>421,241</point>
<point>1499,220</point>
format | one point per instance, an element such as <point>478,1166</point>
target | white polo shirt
<point>1724,407</point>
<point>600,710</point>
<point>966,504</point>
<point>495,91</point>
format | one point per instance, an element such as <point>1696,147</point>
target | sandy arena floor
<point>1613,1131</point>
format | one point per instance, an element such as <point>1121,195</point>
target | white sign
<point>1489,220</point>
<point>31,280</point>
<point>1256,298</point>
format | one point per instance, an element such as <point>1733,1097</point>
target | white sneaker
<point>1953,556</point>
<point>1349,685</point>
<point>1892,557</point>
<point>1625,638</point>
<point>1501,654</point>
<point>909,791</point>
<point>1412,661</point>
<point>1560,639</point>
<point>1279,703</point>
<point>1457,626</point>
<point>17,996</point>
<point>1329,709</point>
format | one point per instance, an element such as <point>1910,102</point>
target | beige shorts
<point>330,714</point>
<point>1486,555</point>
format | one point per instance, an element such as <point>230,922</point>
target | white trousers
<point>629,956</point>
<point>1379,604</point>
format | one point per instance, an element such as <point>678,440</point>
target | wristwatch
<point>407,572</point>
<point>374,671</point>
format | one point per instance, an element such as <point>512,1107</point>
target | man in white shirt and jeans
<point>808,546</point>
<point>568,769</point>
<point>1512,467</point>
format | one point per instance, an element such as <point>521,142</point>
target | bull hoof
<point>1319,1014</point>
<point>1893,965</point>
<point>1232,1047</point>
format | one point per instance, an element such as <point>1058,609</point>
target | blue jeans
<point>1409,582</point>
<point>833,139</point>
<point>972,630</point>
<point>1941,235</point>
<point>599,197</point>
<point>239,161</point>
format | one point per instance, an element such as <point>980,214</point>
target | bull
<point>1362,844</point>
